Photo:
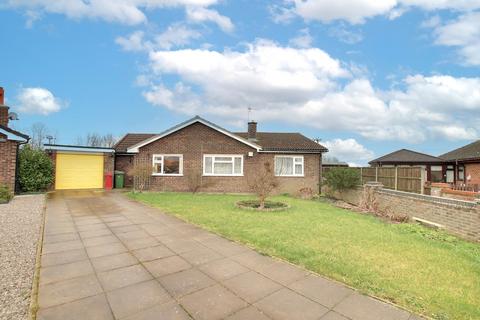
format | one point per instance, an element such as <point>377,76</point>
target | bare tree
<point>38,134</point>
<point>264,184</point>
<point>97,140</point>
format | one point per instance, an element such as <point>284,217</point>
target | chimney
<point>252,130</point>
<point>3,109</point>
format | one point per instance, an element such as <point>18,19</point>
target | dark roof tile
<point>468,152</point>
<point>131,139</point>
<point>285,141</point>
<point>406,156</point>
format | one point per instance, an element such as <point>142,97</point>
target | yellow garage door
<point>79,171</point>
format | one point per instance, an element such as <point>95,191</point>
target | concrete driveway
<point>107,257</point>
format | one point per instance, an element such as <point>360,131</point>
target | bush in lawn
<point>141,173</point>
<point>5,194</point>
<point>35,170</point>
<point>340,179</point>
<point>264,184</point>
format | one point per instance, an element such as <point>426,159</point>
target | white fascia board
<point>11,136</point>
<point>79,149</point>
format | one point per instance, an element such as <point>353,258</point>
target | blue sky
<point>365,76</point>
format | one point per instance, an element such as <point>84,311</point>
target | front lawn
<point>426,271</point>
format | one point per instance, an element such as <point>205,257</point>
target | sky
<point>367,77</point>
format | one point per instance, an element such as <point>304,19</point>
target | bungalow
<point>224,161</point>
<point>436,169</point>
<point>10,140</point>
<point>467,163</point>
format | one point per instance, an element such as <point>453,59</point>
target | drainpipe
<point>17,184</point>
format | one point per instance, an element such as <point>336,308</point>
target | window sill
<point>222,175</point>
<point>290,176</point>
<point>166,175</point>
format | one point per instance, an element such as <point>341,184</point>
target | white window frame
<point>223,156</point>
<point>290,175</point>
<point>163,157</point>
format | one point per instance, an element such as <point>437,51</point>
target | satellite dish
<point>12,116</point>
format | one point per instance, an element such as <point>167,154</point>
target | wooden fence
<point>408,179</point>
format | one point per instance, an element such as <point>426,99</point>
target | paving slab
<point>108,257</point>
<point>212,303</point>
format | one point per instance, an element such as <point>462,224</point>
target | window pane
<point>157,168</point>
<point>283,166</point>
<point>437,176</point>
<point>222,168</point>
<point>298,160</point>
<point>298,169</point>
<point>223,159</point>
<point>238,165</point>
<point>208,165</point>
<point>157,159</point>
<point>171,165</point>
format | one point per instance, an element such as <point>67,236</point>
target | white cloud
<point>303,40</point>
<point>310,88</point>
<point>133,42</point>
<point>463,33</point>
<point>343,34</point>
<point>38,101</point>
<point>201,14</point>
<point>176,35</point>
<point>355,12</point>
<point>358,11</point>
<point>348,150</point>
<point>129,12</point>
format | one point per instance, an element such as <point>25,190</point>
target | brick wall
<point>456,216</point>
<point>125,163</point>
<point>473,170</point>
<point>196,140</point>
<point>8,152</point>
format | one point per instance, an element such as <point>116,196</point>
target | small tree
<point>264,184</point>
<point>141,173</point>
<point>35,170</point>
<point>340,179</point>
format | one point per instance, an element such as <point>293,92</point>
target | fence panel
<point>387,177</point>
<point>410,179</point>
<point>368,174</point>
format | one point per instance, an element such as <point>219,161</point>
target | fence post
<point>422,180</point>
<point>396,178</point>
<point>376,174</point>
<point>361,176</point>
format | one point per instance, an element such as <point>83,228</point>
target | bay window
<point>222,165</point>
<point>167,164</point>
<point>289,166</point>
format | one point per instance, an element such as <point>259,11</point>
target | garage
<point>78,167</point>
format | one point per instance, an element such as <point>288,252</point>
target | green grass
<point>426,271</point>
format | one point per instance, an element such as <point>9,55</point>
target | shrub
<point>339,179</point>
<point>35,170</point>
<point>5,194</point>
<point>196,182</point>
<point>141,173</point>
<point>264,184</point>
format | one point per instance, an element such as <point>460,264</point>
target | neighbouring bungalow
<point>466,160</point>
<point>460,167</point>
<point>10,140</point>
<point>224,161</point>
<point>436,169</point>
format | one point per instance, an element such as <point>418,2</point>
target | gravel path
<point>20,222</point>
